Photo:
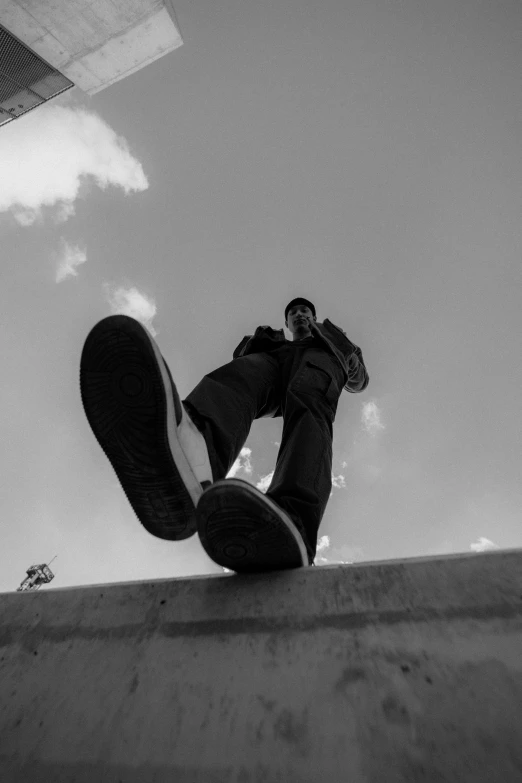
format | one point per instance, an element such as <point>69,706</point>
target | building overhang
<point>95,44</point>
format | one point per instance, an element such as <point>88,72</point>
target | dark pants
<point>300,382</point>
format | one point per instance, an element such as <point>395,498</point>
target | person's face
<point>298,317</point>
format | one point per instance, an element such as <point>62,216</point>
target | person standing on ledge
<point>172,456</point>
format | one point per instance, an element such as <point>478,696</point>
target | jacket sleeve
<point>262,336</point>
<point>241,346</point>
<point>358,377</point>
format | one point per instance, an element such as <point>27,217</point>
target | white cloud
<point>241,463</point>
<point>63,212</point>
<point>483,545</point>
<point>350,554</point>
<point>371,417</point>
<point>46,153</point>
<point>265,481</point>
<point>323,543</point>
<point>25,217</point>
<point>131,302</point>
<point>69,258</point>
<point>345,554</point>
<point>338,481</point>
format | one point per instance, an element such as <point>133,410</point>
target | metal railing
<point>26,81</point>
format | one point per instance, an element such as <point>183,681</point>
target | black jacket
<point>335,341</point>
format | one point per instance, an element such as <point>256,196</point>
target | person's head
<point>297,313</point>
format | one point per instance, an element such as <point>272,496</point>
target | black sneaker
<point>137,417</point>
<point>243,530</point>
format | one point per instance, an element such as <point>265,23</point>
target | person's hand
<point>312,324</point>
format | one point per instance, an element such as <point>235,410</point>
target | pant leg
<point>225,403</point>
<point>302,479</point>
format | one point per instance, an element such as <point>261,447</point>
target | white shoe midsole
<point>195,448</point>
<point>186,443</point>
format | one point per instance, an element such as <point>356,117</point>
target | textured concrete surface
<point>386,672</point>
<point>94,43</point>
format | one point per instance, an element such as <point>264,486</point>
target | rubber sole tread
<point>241,532</point>
<point>125,400</point>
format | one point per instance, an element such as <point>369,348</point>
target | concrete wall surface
<point>94,43</point>
<point>384,672</point>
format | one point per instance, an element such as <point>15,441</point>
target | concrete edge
<point>497,553</point>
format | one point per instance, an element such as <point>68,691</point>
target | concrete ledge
<point>391,671</point>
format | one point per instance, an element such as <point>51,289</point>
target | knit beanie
<point>299,300</point>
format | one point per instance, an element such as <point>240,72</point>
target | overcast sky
<point>366,155</point>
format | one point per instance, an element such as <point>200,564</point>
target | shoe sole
<point>242,530</point>
<point>133,411</point>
